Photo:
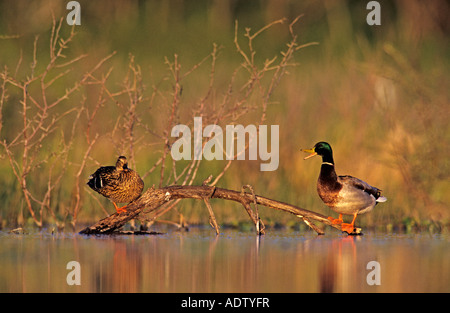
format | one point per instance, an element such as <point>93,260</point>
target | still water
<point>199,261</point>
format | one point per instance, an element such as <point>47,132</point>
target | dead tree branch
<point>153,198</point>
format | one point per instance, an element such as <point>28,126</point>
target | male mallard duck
<point>343,194</point>
<point>117,183</point>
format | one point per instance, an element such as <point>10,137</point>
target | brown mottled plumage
<point>343,194</point>
<point>117,183</point>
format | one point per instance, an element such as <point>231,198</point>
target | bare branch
<point>152,199</point>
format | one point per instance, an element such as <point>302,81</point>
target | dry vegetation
<point>56,140</point>
<point>378,95</point>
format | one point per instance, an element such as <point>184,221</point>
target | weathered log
<point>153,198</point>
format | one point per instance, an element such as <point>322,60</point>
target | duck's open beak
<point>313,153</point>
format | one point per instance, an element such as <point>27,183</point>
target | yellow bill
<point>313,153</point>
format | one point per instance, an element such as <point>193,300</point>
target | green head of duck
<point>323,149</point>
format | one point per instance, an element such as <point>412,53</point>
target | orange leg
<point>121,209</point>
<point>348,228</point>
<point>336,220</point>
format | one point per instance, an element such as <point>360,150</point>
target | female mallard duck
<point>118,183</point>
<point>343,194</point>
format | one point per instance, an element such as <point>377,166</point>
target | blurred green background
<point>378,94</point>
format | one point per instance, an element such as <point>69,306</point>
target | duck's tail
<point>95,182</point>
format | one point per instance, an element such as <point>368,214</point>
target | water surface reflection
<point>198,261</point>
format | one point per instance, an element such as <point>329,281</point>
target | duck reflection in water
<point>121,274</point>
<point>338,263</point>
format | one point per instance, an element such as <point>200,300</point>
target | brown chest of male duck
<point>117,183</point>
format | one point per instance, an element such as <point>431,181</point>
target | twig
<point>254,216</point>
<point>212,217</point>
